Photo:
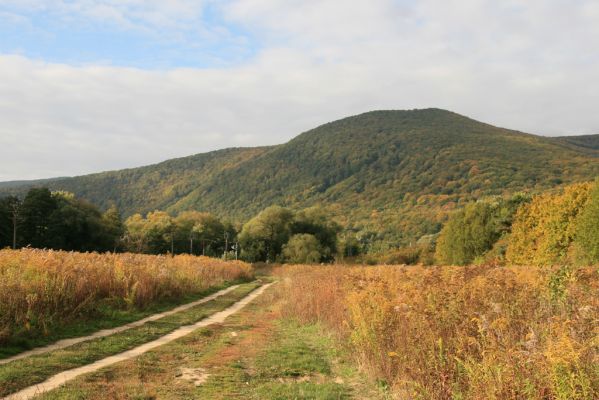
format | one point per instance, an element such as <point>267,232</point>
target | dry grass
<point>40,289</point>
<point>474,332</point>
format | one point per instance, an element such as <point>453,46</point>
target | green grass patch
<point>299,351</point>
<point>302,390</point>
<point>106,316</point>
<point>20,374</point>
<point>295,364</point>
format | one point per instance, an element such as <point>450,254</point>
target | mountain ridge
<point>390,173</point>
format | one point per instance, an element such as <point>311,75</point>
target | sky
<point>95,85</point>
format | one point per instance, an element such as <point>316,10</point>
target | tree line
<point>550,228</point>
<point>59,220</point>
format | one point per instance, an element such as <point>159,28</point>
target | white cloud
<point>524,65</point>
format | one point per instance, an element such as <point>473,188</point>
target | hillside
<point>583,141</point>
<point>391,173</point>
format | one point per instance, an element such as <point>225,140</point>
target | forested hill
<point>583,141</point>
<point>385,173</point>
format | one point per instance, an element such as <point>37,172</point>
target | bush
<point>302,248</point>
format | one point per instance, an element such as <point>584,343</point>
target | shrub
<point>302,248</point>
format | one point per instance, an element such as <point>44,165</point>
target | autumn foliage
<point>40,289</point>
<point>546,231</point>
<point>475,332</point>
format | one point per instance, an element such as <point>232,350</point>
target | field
<point>459,332</point>
<point>320,332</point>
<point>47,295</point>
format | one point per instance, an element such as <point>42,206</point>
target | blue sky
<point>120,36</point>
<point>93,85</point>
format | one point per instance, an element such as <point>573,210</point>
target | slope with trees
<point>388,176</point>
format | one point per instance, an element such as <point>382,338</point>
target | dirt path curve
<point>63,377</point>
<point>61,344</point>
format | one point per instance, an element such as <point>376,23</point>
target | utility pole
<point>226,244</point>
<point>15,215</point>
<point>172,241</point>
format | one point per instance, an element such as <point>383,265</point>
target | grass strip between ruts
<point>36,369</point>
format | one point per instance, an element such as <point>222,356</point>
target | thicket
<point>551,228</point>
<point>40,290</point>
<point>471,232</point>
<point>557,228</point>
<point>190,232</point>
<point>57,220</point>
<point>279,234</point>
<point>474,332</point>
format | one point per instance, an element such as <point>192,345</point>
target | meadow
<point>45,295</point>
<point>323,331</point>
<point>475,332</point>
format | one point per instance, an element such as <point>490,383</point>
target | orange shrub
<point>475,332</point>
<point>40,288</point>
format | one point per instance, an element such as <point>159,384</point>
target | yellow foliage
<point>544,229</point>
<point>475,332</point>
<point>39,288</point>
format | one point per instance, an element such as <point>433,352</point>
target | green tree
<point>262,238</point>
<point>317,222</point>
<point>469,233</point>
<point>9,221</point>
<point>302,248</point>
<point>78,225</point>
<point>114,228</point>
<point>36,211</point>
<point>158,231</point>
<point>135,239</point>
<point>200,232</point>
<point>350,246</point>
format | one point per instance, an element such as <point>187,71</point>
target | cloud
<point>523,65</point>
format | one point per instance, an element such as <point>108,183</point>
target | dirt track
<point>63,377</point>
<point>61,344</point>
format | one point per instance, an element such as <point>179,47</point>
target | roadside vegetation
<point>45,295</point>
<point>475,332</point>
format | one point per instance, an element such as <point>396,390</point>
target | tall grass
<point>41,289</point>
<point>460,332</point>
